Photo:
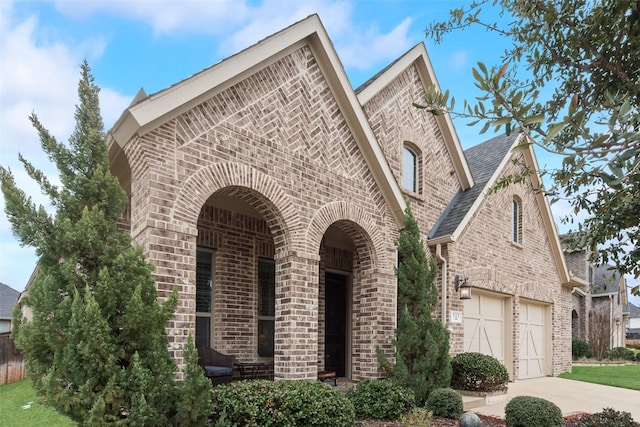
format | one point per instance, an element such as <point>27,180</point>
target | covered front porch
<point>285,313</point>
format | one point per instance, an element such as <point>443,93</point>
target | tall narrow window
<point>266,306</point>
<point>516,232</point>
<point>204,296</point>
<point>409,170</point>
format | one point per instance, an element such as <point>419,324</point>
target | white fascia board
<point>419,56</point>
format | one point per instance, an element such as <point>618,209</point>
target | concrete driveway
<point>570,396</point>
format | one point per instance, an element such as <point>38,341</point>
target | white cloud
<point>167,17</point>
<point>361,50</point>
<point>38,73</point>
<point>458,60</point>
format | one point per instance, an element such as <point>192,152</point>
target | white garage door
<point>484,323</point>
<point>532,340</point>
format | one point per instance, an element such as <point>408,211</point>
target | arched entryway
<point>345,315</point>
<point>236,275</point>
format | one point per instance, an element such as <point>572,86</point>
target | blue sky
<point>154,44</point>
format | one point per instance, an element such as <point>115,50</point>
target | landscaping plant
<point>445,402</point>
<point>580,348</point>
<point>478,372</point>
<point>528,411</point>
<point>280,404</point>
<point>380,399</point>
<point>609,417</point>
<point>95,343</point>
<point>422,361</point>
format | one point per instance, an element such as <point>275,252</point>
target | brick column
<point>172,250</point>
<point>296,324</point>
<point>374,321</point>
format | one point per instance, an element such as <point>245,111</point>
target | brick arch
<point>266,195</point>
<point>362,229</point>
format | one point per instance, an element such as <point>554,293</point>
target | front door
<point>335,321</point>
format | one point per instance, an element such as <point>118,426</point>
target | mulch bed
<point>569,421</point>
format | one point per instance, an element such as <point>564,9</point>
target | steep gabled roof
<point>487,161</point>
<point>484,161</point>
<point>149,112</point>
<point>418,57</point>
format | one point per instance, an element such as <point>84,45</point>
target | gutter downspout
<point>444,282</point>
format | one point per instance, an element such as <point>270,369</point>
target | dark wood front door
<point>335,321</point>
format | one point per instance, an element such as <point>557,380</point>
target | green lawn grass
<point>14,399</point>
<point>626,376</point>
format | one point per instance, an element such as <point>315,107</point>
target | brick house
<point>270,192</point>
<point>599,307</point>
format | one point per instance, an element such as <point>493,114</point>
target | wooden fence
<point>11,360</point>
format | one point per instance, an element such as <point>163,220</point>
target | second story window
<point>516,220</point>
<point>409,170</point>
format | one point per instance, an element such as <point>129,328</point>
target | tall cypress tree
<point>422,361</point>
<point>96,345</point>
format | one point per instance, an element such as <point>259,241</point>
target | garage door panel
<point>484,326</point>
<point>532,340</point>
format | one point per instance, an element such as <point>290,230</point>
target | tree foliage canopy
<point>95,342</point>
<point>570,82</point>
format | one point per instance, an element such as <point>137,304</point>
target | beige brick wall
<point>279,142</point>
<point>486,255</point>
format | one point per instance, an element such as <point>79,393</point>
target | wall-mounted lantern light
<point>461,284</point>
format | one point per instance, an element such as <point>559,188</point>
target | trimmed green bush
<point>380,399</point>
<point>445,402</point>
<point>637,357</point>
<point>478,372</point>
<point>620,353</point>
<point>609,418</point>
<point>580,348</point>
<point>280,403</point>
<point>528,411</point>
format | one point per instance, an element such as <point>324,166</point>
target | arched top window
<point>410,169</point>
<point>516,220</point>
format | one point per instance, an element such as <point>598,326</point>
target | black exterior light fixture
<point>461,284</point>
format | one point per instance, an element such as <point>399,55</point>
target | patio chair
<point>217,367</point>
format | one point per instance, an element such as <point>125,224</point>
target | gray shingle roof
<point>8,298</point>
<point>606,280</point>
<point>634,310</point>
<point>483,161</point>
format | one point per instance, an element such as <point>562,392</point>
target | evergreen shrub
<point>478,372</point>
<point>445,402</point>
<point>620,353</point>
<point>280,403</point>
<point>580,348</point>
<point>380,399</point>
<point>609,418</point>
<point>528,411</point>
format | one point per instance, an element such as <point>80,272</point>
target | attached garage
<point>533,339</point>
<point>485,326</point>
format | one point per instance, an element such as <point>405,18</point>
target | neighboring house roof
<point>606,280</point>
<point>484,160</point>
<point>148,112</point>
<point>634,311</point>
<point>418,57</point>
<point>8,298</point>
